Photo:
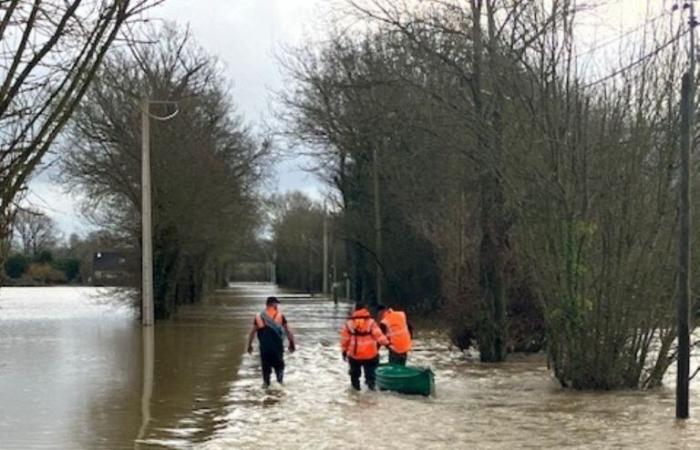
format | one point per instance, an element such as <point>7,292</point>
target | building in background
<point>111,268</point>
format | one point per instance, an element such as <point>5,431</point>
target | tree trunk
<point>492,255</point>
<point>492,330</point>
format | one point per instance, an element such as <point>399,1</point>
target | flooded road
<point>77,372</point>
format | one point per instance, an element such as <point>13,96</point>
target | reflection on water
<point>77,371</point>
<point>147,334</point>
<point>66,363</point>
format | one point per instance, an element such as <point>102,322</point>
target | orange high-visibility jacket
<point>360,336</point>
<point>273,314</point>
<point>397,331</point>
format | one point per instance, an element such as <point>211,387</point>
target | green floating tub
<point>405,379</point>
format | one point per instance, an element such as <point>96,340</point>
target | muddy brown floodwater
<point>77,372</point>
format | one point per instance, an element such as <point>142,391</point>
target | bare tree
<point>35,231</point>
<point>49,53</point>
<point>528,179</point>
<point>206,162</point>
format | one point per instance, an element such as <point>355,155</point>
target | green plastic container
<point>406,379</point>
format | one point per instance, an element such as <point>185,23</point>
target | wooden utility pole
<point>273,268</point>
<point>684,294</point>
<point>146,219</point>
<point>683,299</point>
<point>377,226</point>
<point>325,249</point>
<point>347,286</point>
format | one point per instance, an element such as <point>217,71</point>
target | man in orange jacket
<point>399,331</point>
<point>360,339</point>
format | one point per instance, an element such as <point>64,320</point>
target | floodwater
<point>77,372</point>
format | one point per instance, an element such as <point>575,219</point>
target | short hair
<point>382,307</point>
<point>272,301</point>
<point>359,306</point>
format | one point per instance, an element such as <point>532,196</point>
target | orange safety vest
<point>273,314</point>
<point>361,336</point>
<point>397,331</point>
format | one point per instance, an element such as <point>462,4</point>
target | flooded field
<point>76,371</point>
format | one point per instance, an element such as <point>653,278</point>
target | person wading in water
<point>271,328</point>
<point>399,331</point>
<point>360,339</point>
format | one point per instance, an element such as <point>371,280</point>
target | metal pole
<point>347,287</point>
<point>146,227</point>
<point>274,267</point>
<point>335,271</point>
<point>684,291</point>
<point>334,265</point>
<point>377,226</point>
<point>692,23</point>
<point>325,249</point>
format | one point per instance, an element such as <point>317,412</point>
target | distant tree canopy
<point>523,201</point>
<point>205,162</point>
<point>39,253</point>
<point>34,231</point>
<point>297,228</point>
<point>49,53</point>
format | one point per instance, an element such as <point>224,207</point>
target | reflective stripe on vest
<point>362,344</point>
<point>397,331</point>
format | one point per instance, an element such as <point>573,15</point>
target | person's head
<point>359,306</point>
<point>381,309</point>
<point>272,302</point>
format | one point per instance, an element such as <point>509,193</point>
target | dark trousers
<point>356,367</point>
<point>272,360</point>
<point>397,358</point>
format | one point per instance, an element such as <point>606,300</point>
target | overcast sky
<point>246,34</point>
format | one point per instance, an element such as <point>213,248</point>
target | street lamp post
<point>325,249</point>
<point>146,218</point>
<point>147,315</point>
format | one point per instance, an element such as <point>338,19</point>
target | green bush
<point>44,257</point>
<point>44,273</point>
<point>69,266</point>
<point>16,265</point>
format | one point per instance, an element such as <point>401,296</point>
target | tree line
<point>206,163</point>
<point>525,200</point>
<point>40,255</point>
<point>74,78</point>
<point>480,170</point>
<point>297,244</point>
<point>51,51</point>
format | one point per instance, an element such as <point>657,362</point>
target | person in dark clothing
<point>271,327</point>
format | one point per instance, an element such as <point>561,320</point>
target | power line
<point>626,34</point>
<point>638,61</point>
<point>46,205</point>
